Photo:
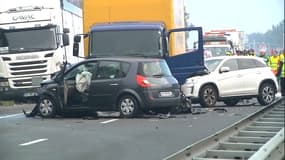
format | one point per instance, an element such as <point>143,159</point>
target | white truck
<point>219,42</point>
<point>34,42</point>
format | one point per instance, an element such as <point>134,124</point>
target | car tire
<point>208,96</point>
<point>231,102</point>
<point>128,106</point>
<point>266,94</point>
<point>47,107</point>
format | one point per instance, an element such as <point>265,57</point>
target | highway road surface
<point>151,137</point>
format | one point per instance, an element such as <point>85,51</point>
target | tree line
<point>273,38</point>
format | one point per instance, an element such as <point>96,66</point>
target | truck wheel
<point>231,102</point>
<point>128,106</point>
<point>266,94</point>
<point>47,107</point>
<point>208,96</point>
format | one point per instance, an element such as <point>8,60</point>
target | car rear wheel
<point>47,107</point>
<point>231,102</point>
<point>208,96</point>
<point>266,94</point>
<point>128,106</point>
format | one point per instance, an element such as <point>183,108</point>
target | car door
<point>76,85</point>
<point>250,74</point>
<point>105,85</point>
<point>229,83</point>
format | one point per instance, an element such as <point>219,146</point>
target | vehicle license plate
<point>30,94</point>
<point>165,94</point>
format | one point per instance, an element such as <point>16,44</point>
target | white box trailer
<point>34,37</point>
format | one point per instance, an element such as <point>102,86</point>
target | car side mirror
<point>224,69</point>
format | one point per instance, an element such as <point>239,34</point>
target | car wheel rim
<point>209,96</point>
<point>127,106</point>
<point>268,94</point>
<point>46,107</point>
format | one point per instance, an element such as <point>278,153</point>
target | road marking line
<point>33,142</point>
<point>12,115</point>
<point>109,121</point>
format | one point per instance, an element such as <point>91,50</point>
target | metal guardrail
<point>258,136</point>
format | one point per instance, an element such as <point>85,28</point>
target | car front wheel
<point>128,106</point>
<point>266,94</point>
<point>208,96</point>
<point>47,107</point>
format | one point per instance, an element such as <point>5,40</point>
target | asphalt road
<point>109,138</point>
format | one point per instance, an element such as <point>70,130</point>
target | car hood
<point>199,73</point>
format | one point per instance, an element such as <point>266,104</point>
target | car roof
<point>234,57</point>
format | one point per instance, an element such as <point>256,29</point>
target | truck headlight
<point>4,83</point>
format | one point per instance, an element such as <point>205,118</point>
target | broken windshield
<point>15,41</point>
<point>126,43</point>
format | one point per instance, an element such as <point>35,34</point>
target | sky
<point>250,16</point>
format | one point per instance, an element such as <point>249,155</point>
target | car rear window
<point>154,68</point>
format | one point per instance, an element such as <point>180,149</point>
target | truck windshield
<point>217,51</point>
<point>16,41</point>
<point>147,43</point>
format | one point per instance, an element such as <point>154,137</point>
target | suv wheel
<point>208,96</point>
<point>266,94</point>
<point>128,106</point>
<point>47,107</point>
<point>231,102</point>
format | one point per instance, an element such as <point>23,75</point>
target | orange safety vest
<point>274,63</point>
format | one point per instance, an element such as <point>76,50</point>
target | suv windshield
<point>15,41</point>
<point>212,64</point>
<point>126,42</point>
<point>155,69</point>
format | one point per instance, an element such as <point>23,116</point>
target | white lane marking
<point>12,115</point>
<point>109,121</point>
<point>33,142</point>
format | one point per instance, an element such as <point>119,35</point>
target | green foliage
<point>274,38</point>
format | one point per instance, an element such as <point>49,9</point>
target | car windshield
<point>126,42</point>
<point>212,64</point>
<point>18,41</point>
<point>155,69</point>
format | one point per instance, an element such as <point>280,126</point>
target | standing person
<point>264,56</point>
<point>273,61</point>
<point>251,52</point>
<point>281,73</point>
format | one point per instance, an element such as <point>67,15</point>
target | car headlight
<point>192,81</point>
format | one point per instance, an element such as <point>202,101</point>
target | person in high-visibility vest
<point>273,61</point>
<point>229,53</point>
<point>281,72</point>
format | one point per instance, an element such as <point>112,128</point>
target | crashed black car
<point>127,85</point>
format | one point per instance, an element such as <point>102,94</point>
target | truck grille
<point>24,82</point>
<point>27,70</point>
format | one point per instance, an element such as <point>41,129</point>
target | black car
<point>127,85</point>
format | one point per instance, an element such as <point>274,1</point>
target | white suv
<point>231,78</point>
